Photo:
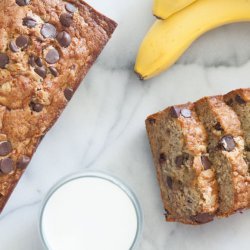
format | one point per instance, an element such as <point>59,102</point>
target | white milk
<point>89,213</point>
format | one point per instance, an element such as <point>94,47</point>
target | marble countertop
<point>103,128</point>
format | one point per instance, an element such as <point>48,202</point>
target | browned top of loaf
<point>32,94</point>
<point>243,93</point>
<point>238,95</point>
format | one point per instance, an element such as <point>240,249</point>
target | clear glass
<point>105,176</point>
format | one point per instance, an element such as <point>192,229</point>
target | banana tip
<point>158,17</point>
<point>139,75</point>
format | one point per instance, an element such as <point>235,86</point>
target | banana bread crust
<point>46,49</point>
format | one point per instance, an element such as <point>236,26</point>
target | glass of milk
<point>90,211</point>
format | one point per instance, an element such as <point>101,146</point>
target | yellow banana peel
<point>168,39</point>
<point>164,8</point>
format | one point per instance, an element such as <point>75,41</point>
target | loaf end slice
<point>186,177</point>
<point>225,147</point>
<point>46,49</point>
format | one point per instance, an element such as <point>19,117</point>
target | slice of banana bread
<point>225,147</point>
<point>239,101</point>
<point>186,177</point>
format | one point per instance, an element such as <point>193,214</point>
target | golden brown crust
<point>243,93</point>
<point>30,103</point>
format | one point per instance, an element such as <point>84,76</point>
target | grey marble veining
<point>103,128</point>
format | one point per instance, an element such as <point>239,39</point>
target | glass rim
<point>94,174</point>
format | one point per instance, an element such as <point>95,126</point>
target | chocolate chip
<point>169,182</point>
<point>186,113</point>
<point>52,56</point>
<point>23,162</point>
<point>239,99</point>
<point>39,39</point>
<point>22,41</point>
<point>6,165</point>
<point>227,143</point>
<point>4,60</point>
<point>37,107</point>
<point>175,112</point>
<point>13,46</point>
<point>66,19</point>
<point>167,213</point>
<point>64,39</point>
<point>31,61</point>
<point>151,120</point>
<point>53,71</point>
<point>48,31</point>
<point>202,218</point>
<point>41,71</point>
<point>230,102</point>
<point>35,61</point>
<point>22,2</point>
<point>70,8</point>
<point>5,148</point>
<point>206,162</point>
<point>39,62</point>
<point>162,158</point>
<point>179,161</point>
<point>218,126</point>
<point>68,93</point>
<point>29,22</point>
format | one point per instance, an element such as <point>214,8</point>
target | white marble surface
<point>103,128</point>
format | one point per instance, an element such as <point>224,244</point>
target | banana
<point>168,39</point>
<point>165,8</point>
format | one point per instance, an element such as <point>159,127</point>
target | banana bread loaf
<point>225,147</point>
<point>186,177</point>
<point>198,151</point>
<point>46,48</point>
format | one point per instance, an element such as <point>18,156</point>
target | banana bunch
<point>184,22</point>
